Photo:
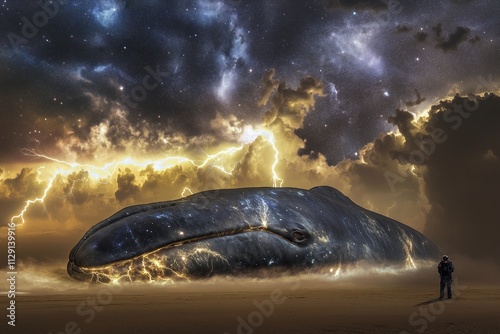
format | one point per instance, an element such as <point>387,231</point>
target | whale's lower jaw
<point>241,253</point>
<point>77,273</point>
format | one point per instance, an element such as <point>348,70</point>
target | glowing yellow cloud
<point>223,160</point>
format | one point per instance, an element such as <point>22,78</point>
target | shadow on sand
<point>430,301</point>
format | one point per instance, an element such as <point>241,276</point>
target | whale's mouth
<point>197,256</point>
<point>177,258</point>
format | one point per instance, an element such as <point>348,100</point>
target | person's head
<point>445,257</point>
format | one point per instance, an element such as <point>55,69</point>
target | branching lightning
<point>185,192</point>
<point>39,200</point>
<point>269,137</point>
<point>105,173</point>
<point>156,267</point>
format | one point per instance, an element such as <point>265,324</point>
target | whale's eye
<point>299,236</point>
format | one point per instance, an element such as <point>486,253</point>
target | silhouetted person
<point>445,268</point>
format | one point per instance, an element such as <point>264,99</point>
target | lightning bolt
<point>263,213</point>
<point>186,189</point>
<point>105,173</point>
<point>40,200</point>
<point>153,267</point>
<point>70,192</point>
<point>408,246</point>
<point>269,137</point>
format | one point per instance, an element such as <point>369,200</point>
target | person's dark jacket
<point>445,268</point>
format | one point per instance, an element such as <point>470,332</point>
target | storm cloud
<point>454,39</point>
<point>426,174</point>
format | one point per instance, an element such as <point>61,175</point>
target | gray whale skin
<point>242,231</point>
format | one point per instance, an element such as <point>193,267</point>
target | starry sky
<point>210,56</point>
<point>344,86</point>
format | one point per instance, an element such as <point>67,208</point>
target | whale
<point>243,231</point>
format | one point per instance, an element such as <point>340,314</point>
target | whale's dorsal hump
<point>331,194</point>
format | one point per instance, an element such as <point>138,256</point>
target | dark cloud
<point>438,30</point>
<point>79,68</point>
<point>403,120</point>
<point>475,39</point>
<point>465,166</point>
<point>356,4</point>
<point>25,183</point>
<point>94,70</point>
<point>458,149</point>
<point>460,35</point>
<point>127,187</point>
<point>403,28</point>
<point>418,100</point>
<point>454,39</point>
<point>270,85</point>
<point>421,36</point>
<point>288,106</point>
<point>448,161</point>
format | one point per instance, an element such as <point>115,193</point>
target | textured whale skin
<point>234,231</point>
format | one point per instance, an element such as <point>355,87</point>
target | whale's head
<point>221,232</point>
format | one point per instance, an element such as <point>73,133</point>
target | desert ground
<point>369,303</point>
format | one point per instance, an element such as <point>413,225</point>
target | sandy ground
<point>270,306</point>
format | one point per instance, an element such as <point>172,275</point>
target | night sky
<point>334,92</point>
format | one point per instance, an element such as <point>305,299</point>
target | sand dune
<point>294,305</point>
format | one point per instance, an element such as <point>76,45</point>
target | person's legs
<point>448,287</point>
<point>442,283</point>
